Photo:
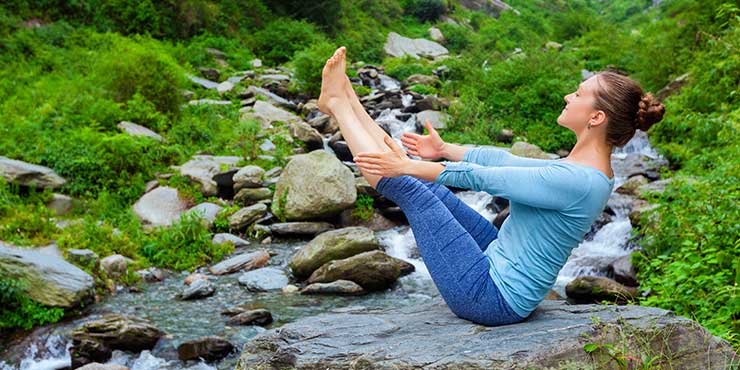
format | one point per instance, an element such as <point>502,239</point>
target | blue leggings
<point>451,238</point>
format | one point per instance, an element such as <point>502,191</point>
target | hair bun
<point>650,112</point>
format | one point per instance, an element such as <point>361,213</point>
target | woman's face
<point>579,107</point>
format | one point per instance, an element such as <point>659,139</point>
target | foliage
<point>308,65</point>
<point>19,311</point>
<point>363,207</point>
<point>280,39</point>
<point>24,220</point>
<point>424,10</point>
<point>402,68</point>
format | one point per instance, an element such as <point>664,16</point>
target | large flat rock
<point>430,336</point>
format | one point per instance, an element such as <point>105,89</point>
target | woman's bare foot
<point>333,78</point>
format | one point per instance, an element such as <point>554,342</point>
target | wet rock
<point>195,277</point>
<point>84,258</point>
<point>371,338</point>
<point>202,82</point>
<point>201,288</point>
<point>623,271</point>
<point>27,174</point>
<point>272,98</point>
<point>438,120</point>
<point>399,46</point>
<point>249,196</point>
<point>300,228</point>
<point>210,73</point>
<point>207,212</point>
<point>50,279</point>
<point>96,339</point>
<point>290,289</point>
<point>594,289</point>
<point>160,207</point>
<point>99,366</point>
<point>210,348</point>
<point>337,287</point>
<point>342,151</point>
<point>259,316</point>
<point>638,164</point>
<point>228,238</point>
<point>307,134</point>
<point>203,168</point>
<point>87,351</point>
<point>376,222</point>
<point>246,216</point>
<point>264,279</point>
<point>244,261</point>
<point>151,274</point>
<point>225,87</point>
<point>313,185</point>
<point>640,207</point>
<point>372,270</point>
<point>653,187</point>
<point>138,130</point>
<point>248,177</point>
<point>630,186</point>
<point>115,265</point>
<point>332,245</point>
<point>524,149</point>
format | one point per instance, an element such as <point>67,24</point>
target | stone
<point>308,135</point>
<point>657,186</point>
<point>439,120</point>
<point>256,63</point>
<point>640,207</point>
<point>553,45</point>
<point>272,98</point>
<point>430,336</point>
<point>207,212</point>
<point>248,177</point>
<point>290,289</point>
<point>264,279</point>
<point>436,35</point>
<point>593,289</point>
<point>228,238</point>
<point>623,271</point>
<point>27,174</point>
<point>372,270</point>
<point>190,279</point>
<point>506,135</point>
<point>630,186</point>
<point>202,82</point>
<point>419,79</point>
<point>332,245</point>
<point>210,348</point>
<point>115,265</point>
<point>203,168</point>
<point>527,150</point>
<point>275,77</point>
<point>84,258</point>
<point>224,87</point>
<point>138,130</point>
<point>151,185</point>
<point>247,216</point>
<point>151,274</point>
<point>313,185</point>
<point>60,204</point>
<point>399,46</point>
<point>249,196</point>
<point>376,222</point>
<point>198,289</point>
<point>210,73</point>
<point>673,87</point>
<point>160,207</point>
<point>50,279</point>
<point>267,114</point>
<point>113,332</point>
<point>244,261</point>
<point>253,317</point>
<point>337,287</point>
<point>99,366</point>
<point>638,164</point>
<point>300,228</point>
<point>209,102</point>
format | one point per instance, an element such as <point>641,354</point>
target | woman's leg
<point>458,267</point>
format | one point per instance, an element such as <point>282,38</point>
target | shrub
<point>24,221</point>
<point>402,68</point>
<point>424,10</point>
<point>280,39</point>
<point>457,38</point>
<point>19,311</point>
<point>308,66</point>
<point>363,207</point>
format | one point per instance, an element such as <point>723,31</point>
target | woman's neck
<point>593,152</point>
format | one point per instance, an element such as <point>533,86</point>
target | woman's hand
<point>429,146</point>
<point>389,164</point>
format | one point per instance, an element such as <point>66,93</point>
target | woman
<point>489,276</point>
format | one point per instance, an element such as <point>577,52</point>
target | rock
<point>111,332</point>
<point>244,261</point>
<point>493,8</point>
<point>313,185</point>
<point>275,77</point>
<point>418,79</point>
<point>210,348</point>
<point>60,204</point>
<point>248,177</point>
<point>372,270</point>
<point>225,87</point>
<point>290,289</point>
<point>638,164</point>
<point>639,207</point>
<point>506,136</point>
<point>264,279</point>
<point>439,120</point>
<point>623,271</point>
<point>630,186</point>
<point>553,45</point>
<point>322,123</point>
<point>115,265</point>
<point>228,238</point>
<point>151,185</point>
<point>209,102</point>
<point>246,216</point>
<point>430,104</point>
<point>151,274</point>
<point>84,258</point>
<point>267,114</point>
<point>160,207</point>
<point>593,289</point>
<point>256,63</point>
<point>98,366</point>
<point>338,287</point>
<point>202,82</point>
<point>652,187</point>
<point>207,212</point>
<point>673,87</point>
<point>332,245</point>
<point>27,174</point>
<point>399,46</point>
<point>376,222</point>
<point>138,130</point>
<point>195,277</point>
<point>436,35</point>
<point>203,168</point>
<point>210,73</point>
<point>50,279</point>
<point>307,134</point>
<point>249,196</point>
<point>429,336</point>
<point>259,316</point>
<point>300,228</point>
<point>527,150</point>
<point>272,98</point>
<point>198,289</point>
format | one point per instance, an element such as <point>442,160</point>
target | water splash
<point>54,356</point>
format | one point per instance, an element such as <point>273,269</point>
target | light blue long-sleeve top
<point>552,206</point>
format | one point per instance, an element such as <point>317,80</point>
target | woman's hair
<point>626,108</point>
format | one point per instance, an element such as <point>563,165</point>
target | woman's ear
<point>598,118</point>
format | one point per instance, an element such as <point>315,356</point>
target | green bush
<point>19,311</point>
<point>363,207</point>
<point>457,38</point>
<point>308,66</point>
<point>424,10</point>
<point>24,220</point>
<point>402,68</point>
<point>280,39</point>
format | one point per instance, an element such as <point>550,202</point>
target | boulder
<point>594,289</point>
<point>246,216</point>
<point>60,204</point>
<point>50,279</point>
<point>221,238</point>
<point>313,185</point>
<point>399,46</point>
<point>372,270</point>
<point>249,196</point>
<point>84,258</point>
<point>337,287</point>
<point>419,79</point>
<point>264,279</point>
<point>630,186</point>
<point>115,265</point>
<point>248,177</point>
<point>439,120</point>
<point>638,164</point>
<point>527,150</point>
<point>207,212</point>
<point>203,168</point>
<point>259,316</point>
<point>111,332</point>
<point>160,207</point>
<point>209,102</point>
<point>300,228</point>
<point>200,288</point>
<point>138,130</point>
<point>225,87</point>
<point>267,114</point>
<point>436,35</point>
<point>653,187</point>
<point>202,82</point>
<point>244,261</point>
<point>430,336</point>
<point>623,271</point>
<point>332,245</point>
<point>210,348</point>
<point>308,135</point>
<point>376,222</point>
<point>27,174</point>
